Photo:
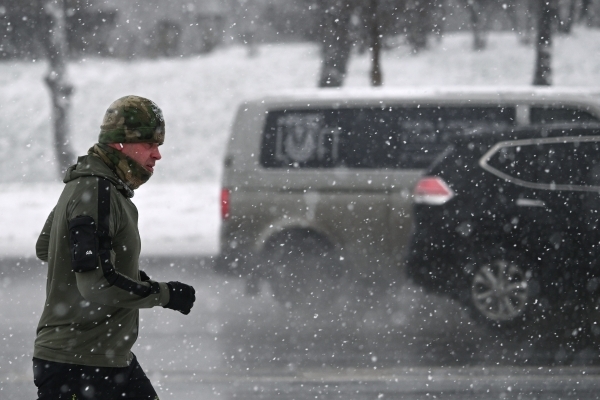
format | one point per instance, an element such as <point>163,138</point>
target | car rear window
<point>571,163</point>
<point>400,137</point>
<point>516,161</point>
<point>566,165</point>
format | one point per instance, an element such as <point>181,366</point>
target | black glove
<point>182,297</point>
<point>144,276</point>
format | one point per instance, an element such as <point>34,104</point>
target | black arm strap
<point>103,230</point>
<point>105,246</point>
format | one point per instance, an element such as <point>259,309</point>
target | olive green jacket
<point>86,320</point>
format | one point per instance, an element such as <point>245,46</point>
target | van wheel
<point>501,290</point>
<point>304,273</point>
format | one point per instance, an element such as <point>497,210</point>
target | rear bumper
<point>435,266</point>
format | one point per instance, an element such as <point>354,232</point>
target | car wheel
<point>304,273</point>
<point>500,289</point>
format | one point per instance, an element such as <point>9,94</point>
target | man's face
<point>146,154</point>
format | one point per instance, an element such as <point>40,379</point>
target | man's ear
<point>118,146</point>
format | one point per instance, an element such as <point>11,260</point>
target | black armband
<point>83,243</point>
<point>144,276</point>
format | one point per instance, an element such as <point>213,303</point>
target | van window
<point>549,115</point>
<point>400,137</point>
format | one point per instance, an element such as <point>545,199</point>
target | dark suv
<point>508,223</point>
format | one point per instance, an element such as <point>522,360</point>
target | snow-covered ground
<point>199,96</point>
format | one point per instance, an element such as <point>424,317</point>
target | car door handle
<point>530,203</point>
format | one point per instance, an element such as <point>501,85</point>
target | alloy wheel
<point>500,291</point>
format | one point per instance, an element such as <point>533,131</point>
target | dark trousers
<point>81,382</point>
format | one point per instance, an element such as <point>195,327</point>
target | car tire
<point>304,273</point>
<point>502,290</point>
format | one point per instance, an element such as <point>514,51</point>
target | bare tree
<point>543,65</point>
<point>419,16</point>
<point>58,82</point>
<point>566,11</point>
<point>478,15</point>
<point>336,43</point>
<point>367,22</point>
<point>586,13</point>
<point>523,16</point>
<point>374,29</point>
<point>337,39</point>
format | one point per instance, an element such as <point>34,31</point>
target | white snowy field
<point>199,96</point>
<point>175,218</point>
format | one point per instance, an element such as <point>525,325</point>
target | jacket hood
<point>93,166</point>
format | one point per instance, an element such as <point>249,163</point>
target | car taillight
<point>224,203</point>
<point>432,190</point>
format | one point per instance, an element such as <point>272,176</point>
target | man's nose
<point>156,154</point>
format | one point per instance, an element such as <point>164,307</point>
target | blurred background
<point>199,59</point>
<point>178,28</point>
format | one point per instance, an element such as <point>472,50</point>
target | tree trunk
<point>566,15</point>
<point>58,83</point>
<point>478,15</point>
<point>419,18</point>
<point>543,65</point>
<point>375,36</point>
<point>335,34</point>
<point>584,15</point>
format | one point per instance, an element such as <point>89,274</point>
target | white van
<point>317,184</point>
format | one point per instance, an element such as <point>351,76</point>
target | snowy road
<point>405,345</point>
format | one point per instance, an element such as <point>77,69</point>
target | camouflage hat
<point>132,119</point>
